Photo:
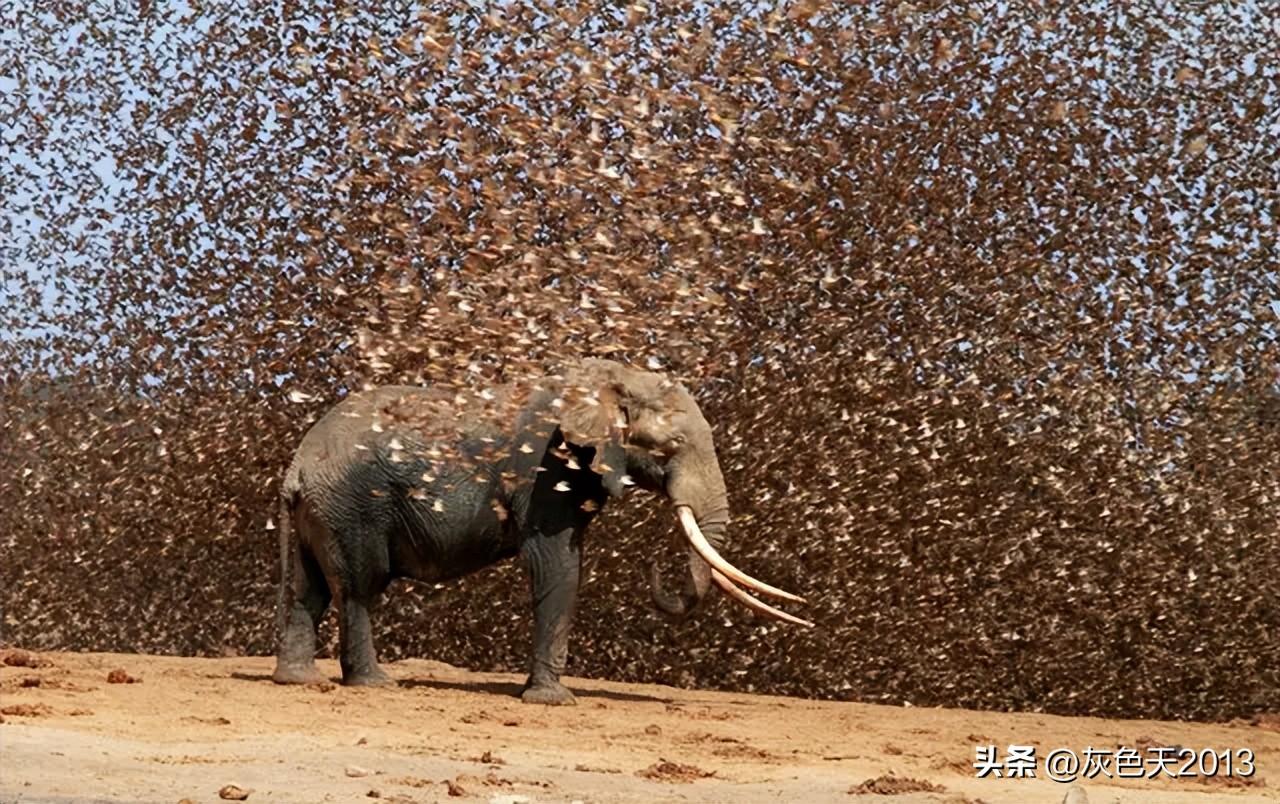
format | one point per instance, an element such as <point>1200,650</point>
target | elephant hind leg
<point>305,605</point>
<point>359,660</point>
<point>351,566</point>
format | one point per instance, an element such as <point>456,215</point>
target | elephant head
<point>647,430</point>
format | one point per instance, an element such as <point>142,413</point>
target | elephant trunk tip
<point>675,606</point>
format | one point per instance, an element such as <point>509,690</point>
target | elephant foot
<point>370,677</point>
<point>549,693</point>
<point>297,674</point>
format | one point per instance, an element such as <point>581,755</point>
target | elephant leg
<point>555,564</point>
<point>306,602</point>
<point>358,659</point>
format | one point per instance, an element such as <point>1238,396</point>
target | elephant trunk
<point>697,580</point>
<point>695,485</point>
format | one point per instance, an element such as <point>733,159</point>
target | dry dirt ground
<point>188,728</point>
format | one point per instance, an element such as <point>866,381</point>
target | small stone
<point>119,676</point>
<point>374,794</point>
<point>31,681</point>
<point>21,658</point>
<point>455,789</point>
<point>356,772</point>
<point>652,729</point>
<point>233,792</point>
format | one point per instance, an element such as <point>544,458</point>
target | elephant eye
<point>669,446</point>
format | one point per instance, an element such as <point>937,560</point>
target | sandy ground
<point>189,727</point>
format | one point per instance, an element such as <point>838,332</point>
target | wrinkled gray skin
<point>403,482</point>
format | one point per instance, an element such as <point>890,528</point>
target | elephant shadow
<point>505,689</point>
<point>511,689</point>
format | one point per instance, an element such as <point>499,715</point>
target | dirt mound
<point>890,785</point>
<point>664,771</point>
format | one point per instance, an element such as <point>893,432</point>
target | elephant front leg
<point>554,563</point>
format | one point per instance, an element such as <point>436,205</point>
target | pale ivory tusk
<point>694,534</point>
<point>753,604</point>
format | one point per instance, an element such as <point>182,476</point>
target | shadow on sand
<point>506,689</point>
<point>512,690</point>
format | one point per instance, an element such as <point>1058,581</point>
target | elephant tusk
<point>717,562</point>
<point>753,604</point>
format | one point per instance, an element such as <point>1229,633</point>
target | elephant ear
<point>593,414</point>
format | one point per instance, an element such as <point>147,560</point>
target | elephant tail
<point>285,535</point>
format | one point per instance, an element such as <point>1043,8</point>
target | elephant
<point>432,483</point>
